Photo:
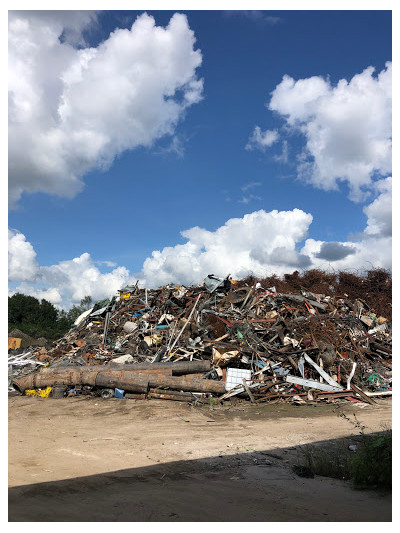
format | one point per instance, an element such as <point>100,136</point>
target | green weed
<point>370,466</point>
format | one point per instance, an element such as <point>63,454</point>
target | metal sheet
<point>311,384</point>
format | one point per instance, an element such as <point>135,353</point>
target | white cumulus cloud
<point>73,109</point>
<point>257,243</point>
<point>372,249</point>
<point>22,263</point>
<point>347,127</point>
<point>379,212</point>
<point>80,277</point>
<point>260,243</point>
<point>262,140</point>
<point>66,282</point>
<point>52,295</point>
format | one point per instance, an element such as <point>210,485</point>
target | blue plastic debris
<point>279,371</point>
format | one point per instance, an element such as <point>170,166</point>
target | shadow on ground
<point>255,486</point>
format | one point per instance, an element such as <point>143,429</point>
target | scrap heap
<point>221,339</point>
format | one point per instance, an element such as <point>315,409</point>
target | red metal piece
<point>224,321</point>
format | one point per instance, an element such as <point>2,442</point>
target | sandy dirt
<point>88,459</point>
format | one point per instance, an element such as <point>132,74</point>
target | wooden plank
<point>362,394</point>
<point>248,391</point>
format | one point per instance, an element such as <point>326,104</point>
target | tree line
<point>40,318</point>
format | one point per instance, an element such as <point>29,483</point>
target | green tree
<point>76,310</point>
<point>35,318</point>
<point>86,303</point>
<point>22,308</point>
<point>47,313</point>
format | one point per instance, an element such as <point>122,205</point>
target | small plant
<point>370,466</point>
<point>332,462</point>
<point>355,423</point>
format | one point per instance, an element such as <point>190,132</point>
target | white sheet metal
<point>82,316</point>
<point>312,384</point>
<point>322,373</point>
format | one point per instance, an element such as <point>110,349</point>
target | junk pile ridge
<point>220,339</point>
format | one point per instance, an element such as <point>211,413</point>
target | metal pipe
<point>65,376</point>
<point>178,368</point>
<point>121,379</point>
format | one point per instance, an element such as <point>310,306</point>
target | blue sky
<point>322,147</point>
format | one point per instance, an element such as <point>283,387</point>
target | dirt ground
<point>93,460</point>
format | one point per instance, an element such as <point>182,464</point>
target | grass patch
<point>330,462</point>
<point>370,466</point>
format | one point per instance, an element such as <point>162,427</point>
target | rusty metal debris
<point>221,339</point>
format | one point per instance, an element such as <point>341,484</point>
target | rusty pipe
<point>178,368</point>
<point>66,377</point>
<point>127,380</point>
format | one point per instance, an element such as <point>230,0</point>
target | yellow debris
<point>14,343</point>
<point>43,393</point>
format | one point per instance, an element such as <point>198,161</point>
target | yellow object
<point>14,343</point>
<point>220,359</point>
<point>125,296</point>
<point>43,393</point>
<point>153,340</point>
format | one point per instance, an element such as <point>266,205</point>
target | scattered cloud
<point>261,140</point>
<point>346,127</point>
<point>249,198</point>
<point>176,146</point>
<point>257,16</point>
<point>72,109</point>
<point>262,17</point>
<point>260,243</point>
<point>227,195</point>
<point>284,156</point>
<point>270,242</point>
<point>251,185</point>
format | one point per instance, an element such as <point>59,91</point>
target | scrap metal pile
<point>221,339</point>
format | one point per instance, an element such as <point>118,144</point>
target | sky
<point>162,146</point>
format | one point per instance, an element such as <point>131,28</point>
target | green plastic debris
<point>375,378</point>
